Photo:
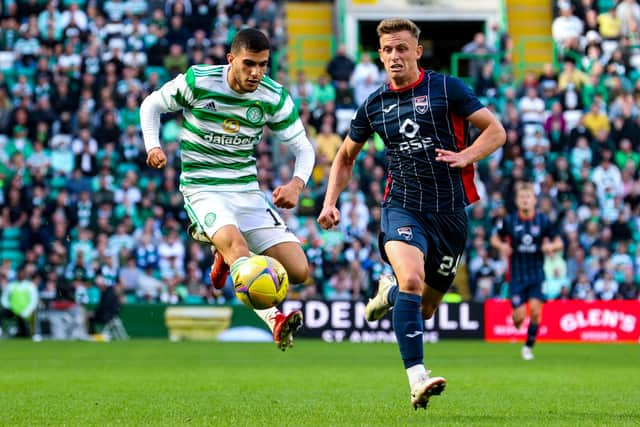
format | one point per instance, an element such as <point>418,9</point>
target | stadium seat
<point>604,5</point>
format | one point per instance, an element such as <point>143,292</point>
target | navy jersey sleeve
<point>502,229</point>
<point>360,125</point>
<point>461,98</point>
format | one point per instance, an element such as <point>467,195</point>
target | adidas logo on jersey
<point>210,106</point>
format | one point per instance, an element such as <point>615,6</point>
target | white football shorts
<point>250,211</point>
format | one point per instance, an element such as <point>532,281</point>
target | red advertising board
<point>568,321</point>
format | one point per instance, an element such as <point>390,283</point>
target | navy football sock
<point>392,295</point>
<point>408,326</point>
<point>532,333</point>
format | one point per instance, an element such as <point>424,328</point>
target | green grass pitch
<point>159,383</point>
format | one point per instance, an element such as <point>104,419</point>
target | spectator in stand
<point>302,90</point>
<point>606,287</point>
<point>324,92</point>
<point>628,11</point>
<point>341,66</point>
<point>581,288</point>
<point>327,142</point>
<point>567,28</point>
<point>607,178</point>
<point>365,78</point>
<point>571,76</point>
<point>596,120</point>
<point>478,46</point>
<point>610,24</point>
<point>485,83</point>
<point>531,107</point>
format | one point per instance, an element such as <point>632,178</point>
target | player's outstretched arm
<point>492,137</point>
<point>339,176</point>
<point>286,196</point>
<point>161,101</point>
<point>150,110</point>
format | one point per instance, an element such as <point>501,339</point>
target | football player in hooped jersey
<point>422,117</point>
<point>524,237</point>
<point>224,110</point>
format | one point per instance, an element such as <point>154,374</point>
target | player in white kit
<point>224,109</point>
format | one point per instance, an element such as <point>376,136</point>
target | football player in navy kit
<point>524,237</point>
<point>422,116</point>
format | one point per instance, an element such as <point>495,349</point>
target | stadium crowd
<point>81,211</point>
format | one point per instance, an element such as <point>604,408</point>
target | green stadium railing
<point>279,59</point>
<point>521,67</point>
<point>342,13</point>
<point>282,56</point>
<point>456,57</point>
<point>504,21</point>
<point>521,48</point>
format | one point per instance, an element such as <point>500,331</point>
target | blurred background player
<point>524,238</point>
<point>224,110</point>
<point>422,117</point>
<point>19,302</point>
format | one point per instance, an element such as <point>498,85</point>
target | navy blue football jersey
<point>525,237</point>
<point>413,122</point>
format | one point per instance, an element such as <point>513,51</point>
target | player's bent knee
<point>428,311</point>
<point>412,283</point>
<point>298,274</point>
<point>518,319</point>
<point>535,316</point>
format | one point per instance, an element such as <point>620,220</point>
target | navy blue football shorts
<point>521,292</point>
<point>441,237</point>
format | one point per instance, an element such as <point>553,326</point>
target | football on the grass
<point>260,281</point>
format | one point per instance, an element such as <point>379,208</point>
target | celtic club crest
<point>254,114</point>
<point>209,219</point>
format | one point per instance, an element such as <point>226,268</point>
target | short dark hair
<point>250,39</point>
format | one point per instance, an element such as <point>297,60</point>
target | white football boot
<point>424,388</point>
<point>379,305</point>
<point>527,353</point>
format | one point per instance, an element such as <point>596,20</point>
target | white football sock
<point>414,373</point>
<point>269,316</point>
<point>236,263</point>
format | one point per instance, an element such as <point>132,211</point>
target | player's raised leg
<point>219,270</point>
<point>408,264</point>
<point>384,299</point>
<point>292,257</point>
<point>232,247</point>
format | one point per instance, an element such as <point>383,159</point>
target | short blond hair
<point>395,25</point>
<point>525,186</point>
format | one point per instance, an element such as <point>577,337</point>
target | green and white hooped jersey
<point>221,127</point>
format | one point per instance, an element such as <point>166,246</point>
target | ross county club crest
<point>421,104</point>
<point>254,114</point>
<point>405,232</point>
